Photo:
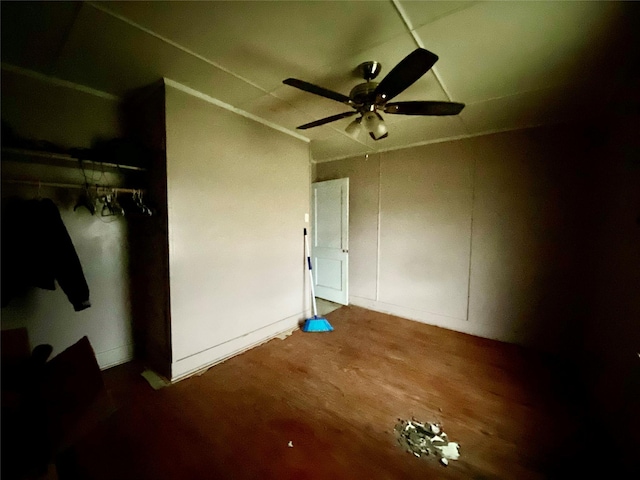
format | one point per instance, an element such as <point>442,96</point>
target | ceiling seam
<point>231,108</point>
<point>311,118</point>
<point>213,64</point>
<point>65,39</point>
<point>175,45</point>
<point>409,26</point>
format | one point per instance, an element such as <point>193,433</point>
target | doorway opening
<point>330,240</point>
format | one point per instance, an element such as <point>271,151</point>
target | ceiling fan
<point>369,97</point>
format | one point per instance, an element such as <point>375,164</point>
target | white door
<point>330,240</point>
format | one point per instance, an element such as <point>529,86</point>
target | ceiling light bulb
<point>381,130</point>
<point>370,121</point>
<point>354,128</point>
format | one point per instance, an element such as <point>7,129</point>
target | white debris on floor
<point>284,335</point>
<point>424,439</point>
<point>156,381</point>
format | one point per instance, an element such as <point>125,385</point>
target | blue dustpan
<point>317,324</point>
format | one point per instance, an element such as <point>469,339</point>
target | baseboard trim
<point>194,364</point>
<point>115,356</point>
<point>494,332</point>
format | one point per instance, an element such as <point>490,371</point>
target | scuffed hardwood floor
<point>337,396</point>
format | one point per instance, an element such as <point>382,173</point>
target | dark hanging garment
<point>37,250</point>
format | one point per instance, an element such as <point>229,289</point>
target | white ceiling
<point>514,64</point>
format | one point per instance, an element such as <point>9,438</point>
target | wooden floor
<point>337,396</point>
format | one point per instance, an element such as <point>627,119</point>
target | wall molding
<point>483,330</point>
<point>58,82</point>
<point>437,140</point>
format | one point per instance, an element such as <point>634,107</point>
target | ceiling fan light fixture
<point>381,131</point>
<point>370,121</point>
<point>354,128</point>
<point>378,138</point>
<point>374,124</point>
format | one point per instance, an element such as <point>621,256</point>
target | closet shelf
<point>59,159</point>
<point>99,188</point>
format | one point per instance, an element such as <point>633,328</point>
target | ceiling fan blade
<point>322,121</point>
<point>404,74</point>
<point>323,92</point>
<point>424,108</point>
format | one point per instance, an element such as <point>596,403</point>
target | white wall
<point>476,235</point>
<point>425,229</point>
<point>237,194</point>
<point>71,118</point>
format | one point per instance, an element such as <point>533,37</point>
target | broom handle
<point>313,292</point>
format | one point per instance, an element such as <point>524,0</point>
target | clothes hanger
<point>86,200</point>
<point>110,205</point>
<point>137,198</point>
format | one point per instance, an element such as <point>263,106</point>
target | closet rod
<point>69,185</point>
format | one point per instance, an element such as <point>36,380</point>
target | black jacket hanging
<point>37,250</point>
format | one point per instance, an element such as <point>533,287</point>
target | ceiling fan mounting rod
<point>369,70</point>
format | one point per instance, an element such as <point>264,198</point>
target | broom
<point>316,323</point>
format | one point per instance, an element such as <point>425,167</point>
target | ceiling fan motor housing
<point>362,94</point>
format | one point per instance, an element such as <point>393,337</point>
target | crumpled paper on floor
<point>424,439</point>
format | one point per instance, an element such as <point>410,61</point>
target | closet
<point>219,266</point>
<point>48,121</point>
